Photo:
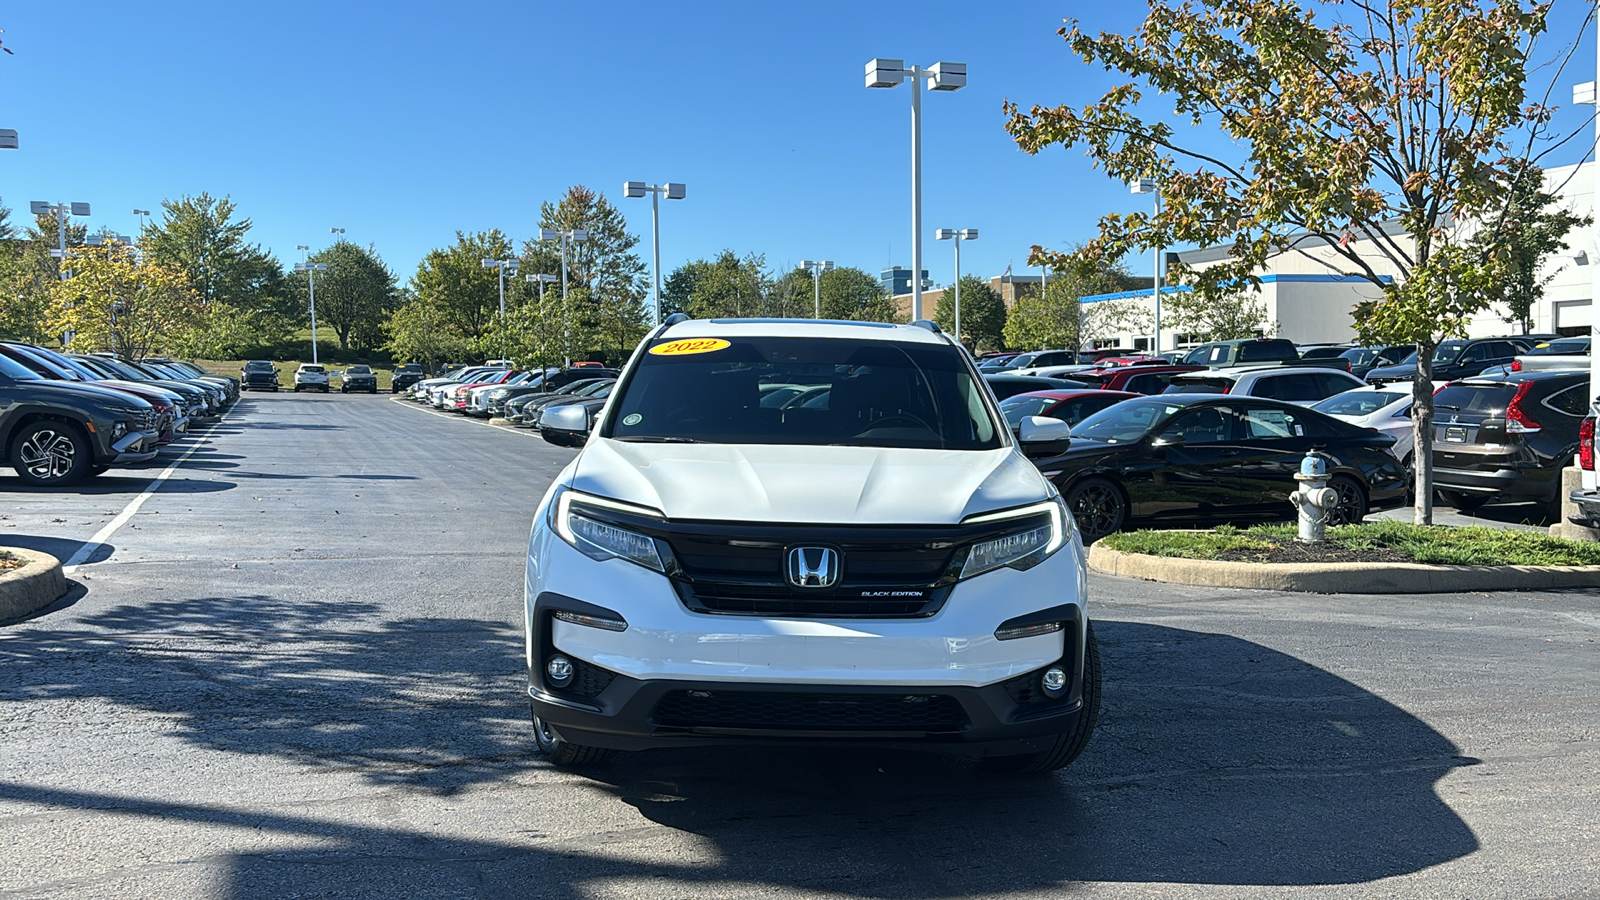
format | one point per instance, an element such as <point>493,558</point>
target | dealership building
<point>1307,298</point>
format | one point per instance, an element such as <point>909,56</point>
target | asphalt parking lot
<point>296,670</point>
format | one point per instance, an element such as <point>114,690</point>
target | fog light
<point>1054,680</point>
<point>559,668</point>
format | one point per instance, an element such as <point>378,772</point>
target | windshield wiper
<point>659,439</point>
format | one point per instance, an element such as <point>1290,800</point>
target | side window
<point>1267,424</point>
<point>1574,401</point>
<point>1144,384</point>
<point>1208,425</point>
<point>1271,387</point>
<point>1330,384</point>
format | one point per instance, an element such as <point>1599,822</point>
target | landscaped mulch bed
<point>9,562</point>
<point>1322,552</point>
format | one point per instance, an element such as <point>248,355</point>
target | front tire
<point>51,454</point>
<point>1099,507</point>
<point>565,754</point>
<point>1352,506</point>
<point>1069,743</point>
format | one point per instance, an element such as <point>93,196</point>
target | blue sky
<point>405,121</point>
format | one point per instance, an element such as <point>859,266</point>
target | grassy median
<point>1375,541</point>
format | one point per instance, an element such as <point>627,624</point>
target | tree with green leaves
<point>728,287</point>
<point>1338,121</point>
<point>604,265</point>
<point>201,236</point>
<point>1060,320</point>
<point>420,332</point>
<point>113,303</point>
<point>850,294</point>
<point>1534,227</point>
<point>463,296</point>
<point>355,295</point>
<point>983,314</point>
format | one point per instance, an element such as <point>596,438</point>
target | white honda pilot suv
<point>866,558</point>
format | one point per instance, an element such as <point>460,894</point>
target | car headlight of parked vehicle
<point>600,540</point>
<point>1044,530</point>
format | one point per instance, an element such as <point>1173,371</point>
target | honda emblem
<point>813,567</point>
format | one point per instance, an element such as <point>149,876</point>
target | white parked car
<point>887,568</point>
<point>1385,408</point>
<point>310,377</point>
<point>1302,385</point>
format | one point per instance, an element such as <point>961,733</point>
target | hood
<point>107,396</point>
<point>1404,370</point>
<point>788,483</point>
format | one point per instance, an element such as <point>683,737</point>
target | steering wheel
<point>898,419</point>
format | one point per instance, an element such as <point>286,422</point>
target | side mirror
<point>1169,440</point>
<point>1043,436</point>
<point>565,426</point>
<point>1469,360</point>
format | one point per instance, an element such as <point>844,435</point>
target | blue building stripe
<point>1265,279</point>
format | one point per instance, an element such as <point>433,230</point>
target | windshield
<point>314,370</point>
<point>878,394</point>
<point>16,371</point>
<point>1447,353</point>
<point>258,366</point>
<point>410,367</point>
<point>358,370</point>
<point>1127,421</point>
<point>1017,408</point>
<point>1569,347</point>
<point>1359,403</point>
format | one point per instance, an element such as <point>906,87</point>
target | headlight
<point>497,395</point>
<point>1023,548</point>
<point>601,540</point>
<point>118,429</point>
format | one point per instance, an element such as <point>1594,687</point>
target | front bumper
<point>1588,503</point>
<point>134,447</point>
<point>676,677</point>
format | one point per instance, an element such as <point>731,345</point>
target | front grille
<point>773,711</point>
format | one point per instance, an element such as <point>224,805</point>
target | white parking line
<point>133,505</point>
<point>476,421</point>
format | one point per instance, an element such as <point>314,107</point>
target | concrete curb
<point>35,585</point>
<point>1341,578</point>
<point>497,420</point>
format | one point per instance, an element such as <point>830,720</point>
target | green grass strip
<point>1474,545</point>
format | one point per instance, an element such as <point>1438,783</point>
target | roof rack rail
<point>928,324</point>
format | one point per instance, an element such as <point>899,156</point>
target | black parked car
<point>528,408</point>
<point>1011,385</point>
<point>1183,457</point>
<point>405,376</point>
<point>1455,359</point>
<point>55,433</point>
<point>358,378</point>
<point>1507,437</point>
<point>258,375</point>
<point>1365,359</point>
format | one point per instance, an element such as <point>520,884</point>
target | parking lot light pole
<point>543,278</point>
<point>1149,186</point>
<point>674,191</point>
<point>501,265</point>
<point>941,76</point>
<point>62,210</point>
<point>566,237</point>
<point>817,267</point>
<point>311,269</point>
<point>958,235</point>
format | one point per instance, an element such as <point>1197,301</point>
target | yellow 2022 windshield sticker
<point>686,347</point>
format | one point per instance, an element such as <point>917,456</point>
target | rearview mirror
<point>1043,436</point>
<point>565,426</point>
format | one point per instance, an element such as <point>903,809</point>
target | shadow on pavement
<point>1217,761</point>
<point>60,548</point>
<point>126,485</point>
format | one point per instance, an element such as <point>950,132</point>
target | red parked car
<point>1069,405</point>
<point>1141,379</point>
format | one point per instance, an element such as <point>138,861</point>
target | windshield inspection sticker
<point>686,347</point>
<point>633,419</point>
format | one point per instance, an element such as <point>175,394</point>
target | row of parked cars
<point>497,391</point>
<point>262,375</point>
<point>1510,413</point>
<point>67,416</point>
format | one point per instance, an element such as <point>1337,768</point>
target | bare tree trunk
<point>1422,432</point>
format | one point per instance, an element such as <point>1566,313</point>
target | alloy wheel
<point>48,454</point>
<point>1099,509</point>
<point>1351,506</point>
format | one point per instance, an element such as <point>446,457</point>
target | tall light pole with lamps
<point>501,265</point>
<point>941,76</point>
<point>674,191</point>
<point>817,267</point>
<point>62,210</point>
<point>1149,186</point>
<point>566,237</point>
<point>958,235</point>
<point>311,269</point>
<point>542,279</point>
